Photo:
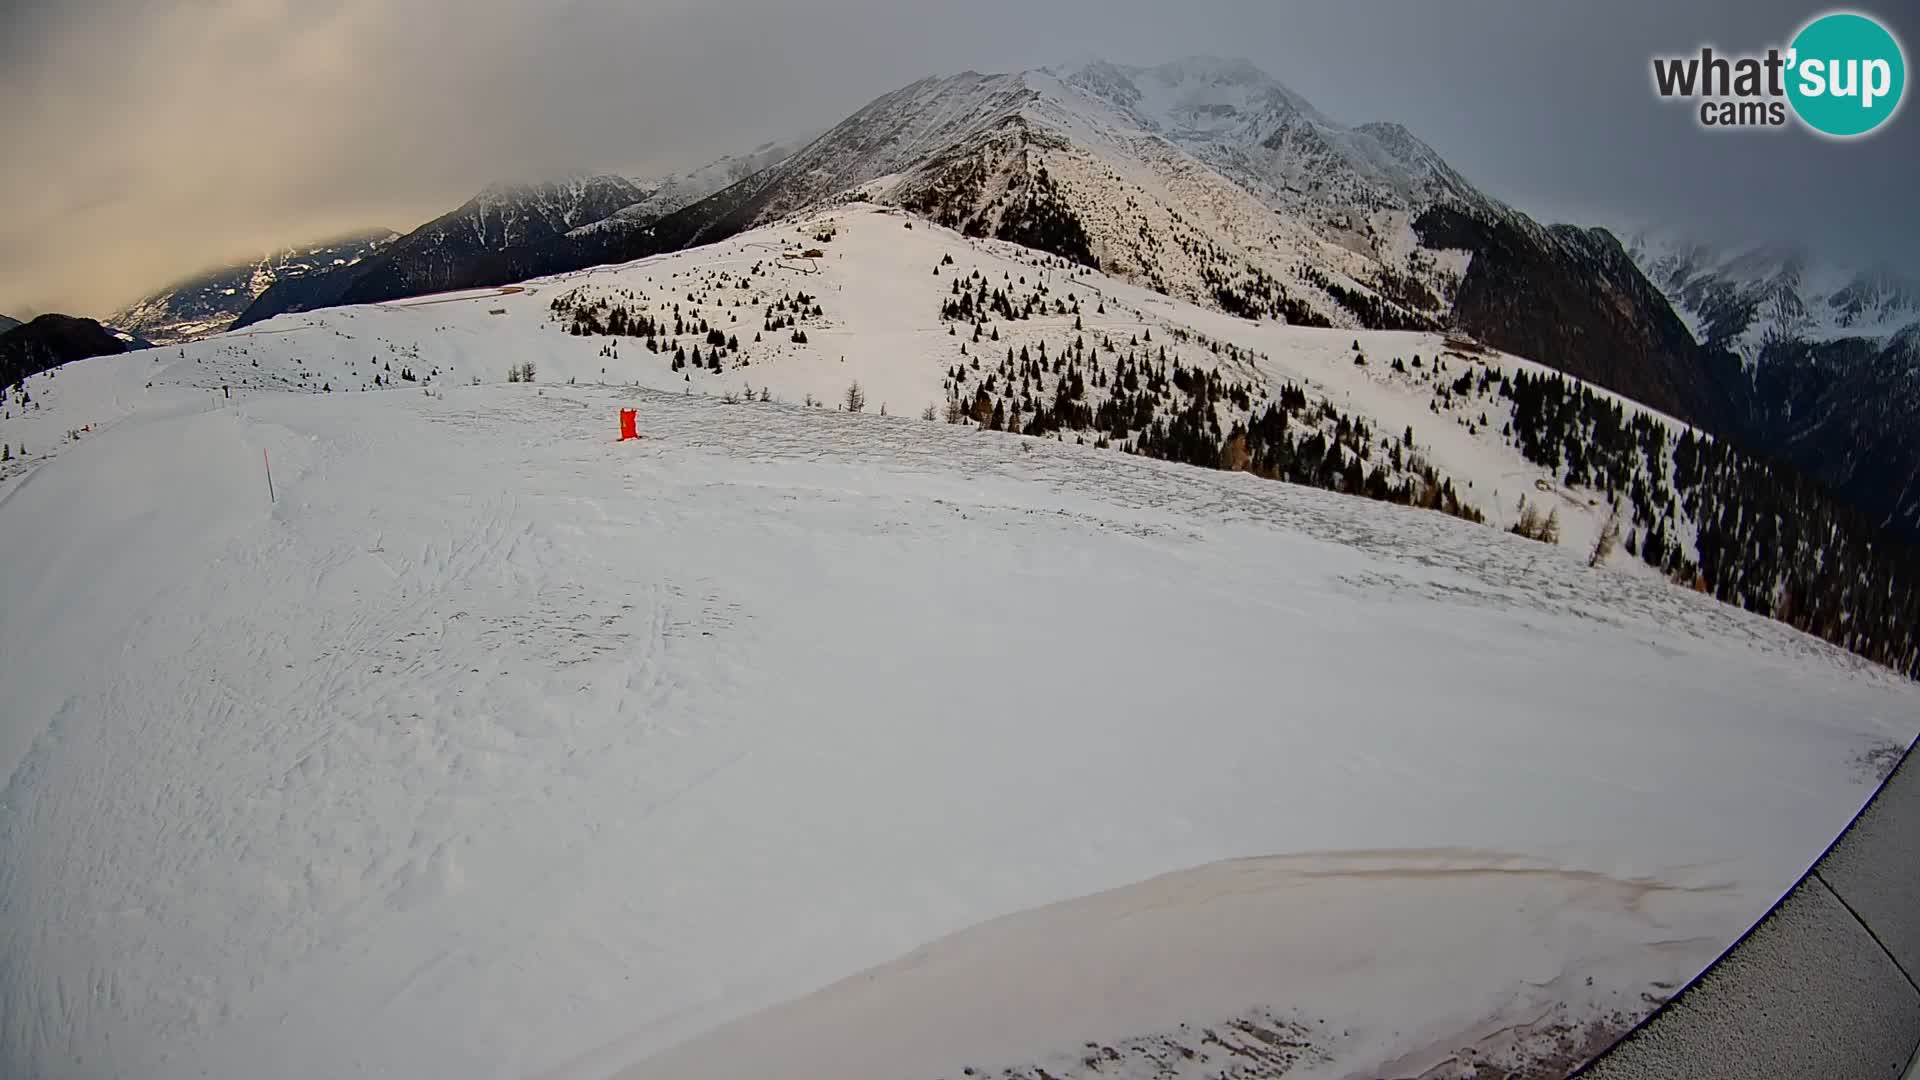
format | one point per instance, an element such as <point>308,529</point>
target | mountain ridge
<point>1204,179</point>
<point>511,231</point>
<point>208,302</point>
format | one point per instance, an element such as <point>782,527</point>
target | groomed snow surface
<point>761,746</point>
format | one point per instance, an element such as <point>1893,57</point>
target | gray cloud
<point>146,140</point>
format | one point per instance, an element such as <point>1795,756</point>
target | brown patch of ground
<point>1550,1050</point>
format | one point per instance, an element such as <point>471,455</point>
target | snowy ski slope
<point>494,747</point>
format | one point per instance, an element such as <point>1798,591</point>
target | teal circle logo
<point>1846,74</point>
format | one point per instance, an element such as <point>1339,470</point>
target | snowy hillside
<point>487,723</point>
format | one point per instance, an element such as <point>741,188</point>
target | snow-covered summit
<point>1196,94</point>
<point>1259,132</point>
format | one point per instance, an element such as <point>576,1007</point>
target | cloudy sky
<point>145,139</point>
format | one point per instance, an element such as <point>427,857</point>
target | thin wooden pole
<point>269,465</point>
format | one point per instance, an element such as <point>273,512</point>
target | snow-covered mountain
<point>485,745</point>
<point>672,192</point>
<point>1272,141</point>
<point>510,215</point>
<point>1745,298</point>
<point>1209,181</point>
<point>510,231</point>
<point>1204,180</point>
<point>208,303</point>
<point>501,233</point>
<point>1829,378</point>
<point>1268,207</point>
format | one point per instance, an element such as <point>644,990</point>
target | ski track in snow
<point>494,747</point>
